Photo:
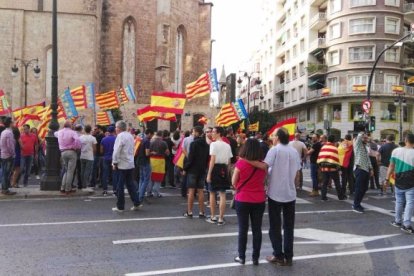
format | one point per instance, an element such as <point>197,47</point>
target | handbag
<point>232,202</point>
<point>220,177</point>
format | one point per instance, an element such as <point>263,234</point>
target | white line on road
<point>145,219</point>
<point>305,257</point>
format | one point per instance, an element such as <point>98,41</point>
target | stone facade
<point>90,41</point>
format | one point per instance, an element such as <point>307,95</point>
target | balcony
<point>315,70</point>
<point>318,21</point>
<point>408,64</point>
<point>317,44</point>
<point>408,10</point>
<point>280,87</point>
<point>278,106</point>
<point>317,3</point>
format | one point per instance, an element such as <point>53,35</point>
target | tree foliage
<point>266,120</point>
<point>117,114</point>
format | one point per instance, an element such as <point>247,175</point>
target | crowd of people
<point>216,160</point>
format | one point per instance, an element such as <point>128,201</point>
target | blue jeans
<point>7,166</point>
<point>125,179</point>
<point>107,172</point>
<point>314,176</point>
<point>404,197</point>
<point>86,172</point>
<point>254,212</point>
<point>275,227</point>
<point>26,166</point>
<point>361,186</point>
<point>97,169</point>
<point>144,179</point>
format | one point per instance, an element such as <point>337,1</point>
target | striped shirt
<point>328,158</point>
<point>362,160</point>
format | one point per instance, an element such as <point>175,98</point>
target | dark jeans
<point>125,179</point>
<point>335,177</point>
<point>26,166</point>
<point>254,211</point>
<point>7,166</point>
<point>314,176</point>
<point>97,170</point>
<point>184,186</point>
<point>108,174</point>
<point>275,230</point>
<point>144,179</point>
<point>375,179</point>
<point>347,178</point>
<point>361,186</point>
<point>169,171</point>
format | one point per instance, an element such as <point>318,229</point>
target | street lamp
<point>26,64</point>
<point>401,103</point>
<point>257,82</point>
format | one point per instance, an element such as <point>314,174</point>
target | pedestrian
<point>300,147</point>
<point>188,139</point>
<point>144,163</point>
<point>7,148</point>
<point>17,160</point>
<point>195,169</point>
<point>250,197</point>
<point>169,165</point>
<point>328,161</point>
<point>77,177</point>
<point>362,170</point>
<point>373,157</point>
<point>314,152</point>
<point>88,150</point>
<point>346,160</point>
<point>176,139</point>
<point>218,174</point>
<point>29,147</point>
<point>384,159</point>
<point>107,148</point>
<point>158,153</point>
<point>69,144</point>
<point>123,162</point>
<point>284,164</point>
<point>36,158</point>
<point>99,134</point>
<point>402,164</point>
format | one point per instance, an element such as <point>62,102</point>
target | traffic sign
<point>366,106</point>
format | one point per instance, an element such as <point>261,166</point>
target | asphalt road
<point>82,236</point>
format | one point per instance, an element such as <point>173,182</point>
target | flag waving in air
<point>289,125</point>
<point>68,104</point>
<point>108,100</point>
<point>168,102</point>
<point>79,97</point>
<point>4,104</point>
<point>104,118</point>
<point>146,114</point>
<point>205,84</point>
<point>227,115</point>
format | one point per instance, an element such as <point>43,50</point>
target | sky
<point>235,29</point>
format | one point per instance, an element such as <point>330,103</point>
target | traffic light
<point>372,123</point>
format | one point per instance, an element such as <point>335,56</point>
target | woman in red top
<point>250,198</point>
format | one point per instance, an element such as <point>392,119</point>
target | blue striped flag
<point>130,93</point>
<point>90,95</point>
<point>240,109</point>
<point>68,104</point>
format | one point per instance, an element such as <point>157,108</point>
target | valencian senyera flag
<point>205,84</point>
<point>4,104</point>
<point>90,95</point>
<point>30,112</point>
<point>130,93</point>
<point>108,100</point>
<point>240,109</point>
<point>104,118</point>
<point>147,114</point>
<point>227,115</point>
<point>68,104</point>
<point>168,102</point>
<point>157,167</point>
<point>122,96</point>
<point>289,125</point>
<point>79,97</point>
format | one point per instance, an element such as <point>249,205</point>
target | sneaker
<point>314,193</point>
<point>201,216</point>
<point>358,210</point>
<point>288,262</point>
<point>115,209</point>
<point>211,220</point>
<point>407,229</point>
<point>135,207</point>
<point>37,177</point>
<point>396,224</point>
<point>220,223</point>
<point>276,260</point>
<point>239,260</point>
<point>188,215</point>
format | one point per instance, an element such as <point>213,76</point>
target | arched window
<point>179,59</point>
<point>128,53</point>
<point>48,79</point>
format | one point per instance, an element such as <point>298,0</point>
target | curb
<point>44,194</point>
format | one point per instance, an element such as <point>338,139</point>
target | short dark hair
<point>7,122</point>
<point>165,133</point>
<point>176,135</point>
<point>410,138</point>
<point>26,126</point>
<point>390,137</point>
<point>149,131</point>
<point>198,129</point>
<point>88,128</point>
<point>251,150</point>
<point>348,137</point>
<point>78,127</point>
<point>187,133</point>
<point>220,130</point>
<point>159,133</point>
<point>283,135</point>
<point>331,138</point>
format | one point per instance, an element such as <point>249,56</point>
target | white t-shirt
<point>222,151</point>
<point>87,142</point>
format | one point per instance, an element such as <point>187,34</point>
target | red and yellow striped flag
<point>359,88</point>
<point>410,80</point>
<point>104,118</point>
<point>123,98</point>
<point>227,115</point>
<point>198,88</point>
<point>326,91</point>
<point>179,156</point>
<point>147,114</point>
<point>254,127</point>
<point>289,125</point>
<point>399,89</point>
<point>137,144</point>
<point>43,129</point>
<point>108,100</point>
<point>79,97</point>
<point>30,112</point>
<point>168,102</point>
<point>157,168</point>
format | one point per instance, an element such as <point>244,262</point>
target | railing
<point>320,16</point>
<point>408,7</point>
<point>278,106</point>
<point>280,87</point>
<point>314,68</point>
<point>318,43</point>
<point>408,62</point>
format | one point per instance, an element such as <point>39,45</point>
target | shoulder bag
<point>232,203</point>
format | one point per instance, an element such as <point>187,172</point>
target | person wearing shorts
<point>195,169</point>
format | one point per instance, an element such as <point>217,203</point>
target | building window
<point>407,113</point>
<point>356,113</point>
<point>388,112</point>
<point>128,53</point>
<point>287,97</point>
<point>395,3</point>
<point>294,73</point>
<point>287,76</point>
<point>301,92</point>
<point>392,25</point>
<point>334,58</point>
<point>362,53</point>
<point>302,68</point>
<point>294,51</point>
<point>179,59</point>
<point>336,111</point>
<point>335,30</point>
<point>392,55</point>
<point>333,85</point>
<point>302,22</point>
<point>359,3</point>
<point>270,86</point>
<point>358,80</point>
<point>302,45</point>
<point>319,112</point>
<point>362,25</point>
<point>389,81</point>
<point>287,55</point>
<point>335,6</point>
<point>308,114</point>
<point>294,95</point>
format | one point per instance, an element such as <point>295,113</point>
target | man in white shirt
<point>123,162</point>
<point>220,155</point>
<point>300,147</point>
<point>88,149</point>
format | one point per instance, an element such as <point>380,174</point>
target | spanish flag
<point>168,102</point>
<point>289,125</point>
<point>147,114</point>
<point>254,127</point>
<point>30,112</point>
<point>137,144</point>
<point>157,167</point>
<point>179,156</point>
<point>359,88</point>
<point>399,89</point>
<point>79,97</point>
<point>326,91</point>
<point>410,80</point>
<point>43,129</point>
<point>108,100</point>
<point>227,115</point>
<point>345,153</point>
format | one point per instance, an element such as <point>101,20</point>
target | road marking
<point>298,258</point>
<point>318,237</point>
<point>147,219</point>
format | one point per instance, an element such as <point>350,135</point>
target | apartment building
<point>323,50</point>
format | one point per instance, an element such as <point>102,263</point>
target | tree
<point>117,114</point>
<point>266,119</point>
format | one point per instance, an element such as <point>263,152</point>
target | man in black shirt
<point>98,159</point>
<point>384,157</point>
<point>143,163</point>
<point>233,145</point>
<point>314,152</point>
<point>169,165</point>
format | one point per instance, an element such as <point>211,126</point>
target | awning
<point>316,82</point>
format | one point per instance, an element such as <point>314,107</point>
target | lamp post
<point>26,64</point>
<point>51,180</point>
<point>258,81</point>
<point>401,102</point>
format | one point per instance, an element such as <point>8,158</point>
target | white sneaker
<point>136,208</point>
<point>115,209</point>
<point>37,177</point>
